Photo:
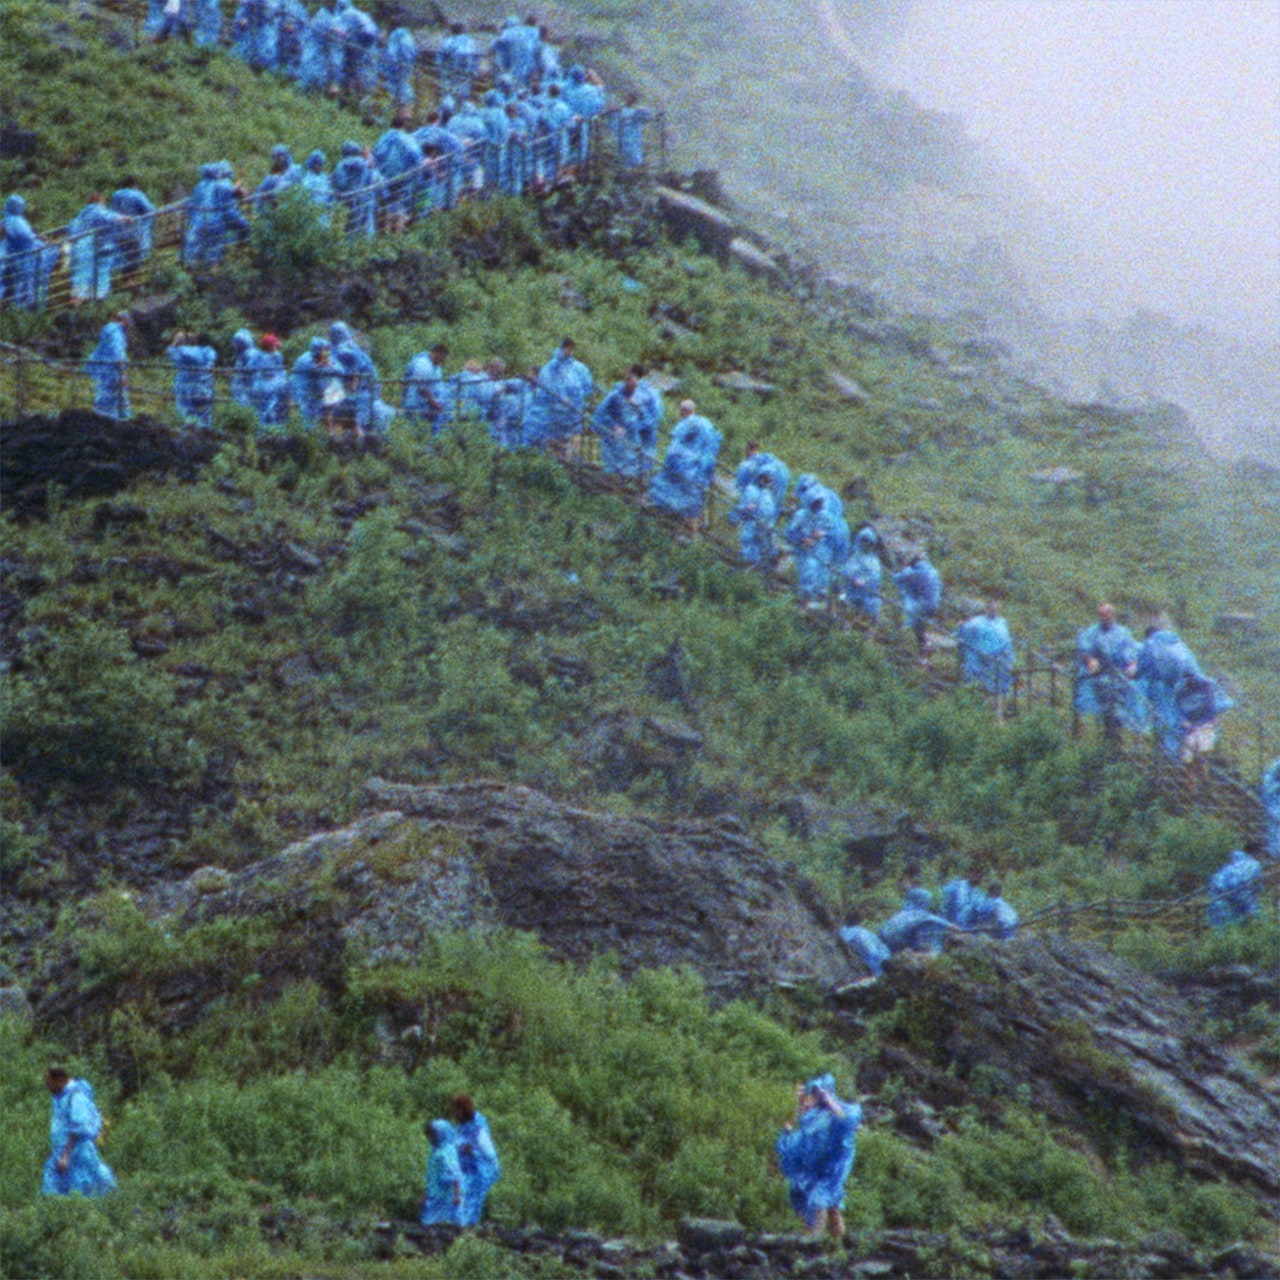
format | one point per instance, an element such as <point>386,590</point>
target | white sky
<point>1154,123</point>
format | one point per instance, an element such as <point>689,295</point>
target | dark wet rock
<point>754,260</point>
<point>84,454</point>
<point>665,677</point>
<point>622,746</point>
<point>686,215</point>
<point>701,1235</point>
<point>1088,1036</point>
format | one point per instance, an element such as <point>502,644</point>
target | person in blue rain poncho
<point>282,174</point>
<point>292,24</point>
<point>688,467</point>
<point>259,381</point>
<point>442,174</point>
<point>74,1166</point>
<point>320,70</point>
<point>550,125</point>
<point>170,19</point>
<point>498,130</point>
<point>108,365</point>
<point>95,240</point>
<point>315,384</point>
<point>468,126</point>
<point>135,234</point>
<point>915,927</point>
<point>1199,703</point>
<point>1106,664</point>
<point>478,1157</point>
<point>920,588</point>
<point>755,513</point>
<point>426,397</point>
<point>861,575</point>
<point>21,254</point>
<point>819,539</point>
<point>626,421</point>
<point>559,404</point>
<point>399,159</point>
<point>816,1154</point>
<point>254,32</point>
<point>627,124</point>
<point>986,652</point>
<point>961,901</point>
<point>990,913</point>
<point>457,61</point>
<point>507,408</point>
<point>399,60</point>
<point>315,182</point>
<point>214,219</point>
<point>193,379</point>
<point>208,25</point>
<point>1163,660</point>
<point>442,1203</point>
<point>360,375</point>
<point>1233,890</point>
<point>354,182</point>
<point>1269,794</point>
<point>755,461</point>
<point>513,51</point>
<point>583,94</point>
<point>867,946</point>
<point>361,52</point>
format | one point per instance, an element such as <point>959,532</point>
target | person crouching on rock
<point>816,1153</point>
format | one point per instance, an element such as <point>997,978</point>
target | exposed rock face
<point>86,454</point>
<point>1098,1044</point>
<point>702,894</point>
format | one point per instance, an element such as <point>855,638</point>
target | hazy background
<point>1153,126</point>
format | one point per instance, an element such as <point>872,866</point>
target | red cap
<point>271,342</point>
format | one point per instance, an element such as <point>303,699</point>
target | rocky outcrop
<point>85,454</point>
<point>707,1247</point>
<point>1097,1044</point>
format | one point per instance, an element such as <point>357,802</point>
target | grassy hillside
<point>208,670</point>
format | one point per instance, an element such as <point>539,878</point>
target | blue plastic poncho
<point>399,59</point>
<point>817,1156</point>
<point>915,927</point>
<point>315,182</point>
<point>867,946</point>
<point>444,1183</point>
<point>425,398</point>
<point>360,375</point>
<point>513,51</point>
<point>480,1168</point>
<point>292,26</point>
<point>920,587</point>
<point>107,365</point>
<point>627,124</point>
<point>986,653</point>
<point>507,410</point>
<point>360,53</point>
<point>208,23</point>
<point>315,385</point>
<point>399,160</point>
<point>254,31</point>
<point>74,1118</point>
<point>862,575</point>
<point>213,216</point>
<point>259,380</point>
<point>1163,660</point>
<point>135,233</point>
<point>627,425</point>
<point>467,125</point>
<point>193,383</point>
<point>996,917</point>
<point>94,236</point>
<point>1269,793</point>
<point>355,182</point>
<point>961,901</point>
<point>560,402</point>
<point>284,173</point>
<point>244,366</point>
<point>752,467</point>
<point>21,254</point>
<point>755,514</point>
<point>688,467</point>
<point>322,49</point>
<point>457,61</point>
<point>171,19</point>
<point>1233,890</point>
<point>818,535</point>
<point>1107,690</point>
